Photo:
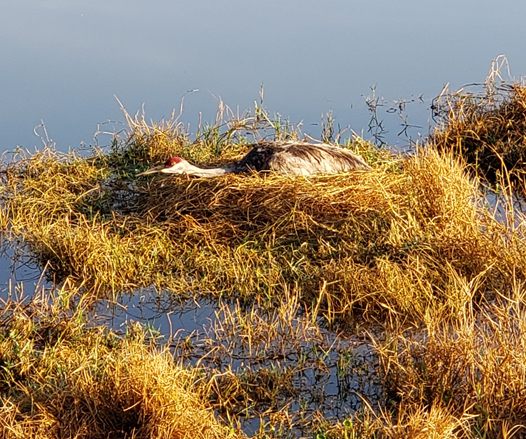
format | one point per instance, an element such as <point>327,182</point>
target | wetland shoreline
<point>382,303</point>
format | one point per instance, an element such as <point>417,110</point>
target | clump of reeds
<point>472,369</point>
<point>62,378</point>
<point>486,127</point>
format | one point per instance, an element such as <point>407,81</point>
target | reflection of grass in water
<point>266,362</point>
<point>408,244</point>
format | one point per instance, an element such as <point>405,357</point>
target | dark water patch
<point>159,311</point>
<point>20,277</point>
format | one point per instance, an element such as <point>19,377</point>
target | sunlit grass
<point>413,251</point>
<point>402,237</point>
<point>473,369</point>
<point>61,378</point>
<point>486,126</point>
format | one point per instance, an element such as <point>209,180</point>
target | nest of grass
<point>400,237</point>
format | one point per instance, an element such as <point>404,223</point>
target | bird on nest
<point>287,158</point>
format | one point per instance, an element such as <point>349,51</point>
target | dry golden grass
<point>415,422</point>
<point>377,236</point>
<point>460,379</point>
<point>400,238</point>
<point>412,243</point>
<point>486,127</point>
<point>62,379</point>
<point>472,370</point>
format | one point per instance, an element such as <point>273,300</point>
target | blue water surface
<point>62,62</point>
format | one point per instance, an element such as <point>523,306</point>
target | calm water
<point>63,61</point>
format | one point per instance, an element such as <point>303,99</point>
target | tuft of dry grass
<point>411,423</point>
<point>61,378</point>
<point>473,369</point>
<point>486,127</point>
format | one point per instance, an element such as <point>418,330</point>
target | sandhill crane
<point>288,158</point>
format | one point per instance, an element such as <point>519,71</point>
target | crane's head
<point>174,165</point>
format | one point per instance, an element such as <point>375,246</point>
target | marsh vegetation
<point>405,284</point>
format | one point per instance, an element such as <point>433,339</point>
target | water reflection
<point>169,316</point>
<point>282,355</point>
<point>312,57</point>
<point>19,275</point>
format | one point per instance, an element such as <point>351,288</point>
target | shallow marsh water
<point>337,376</point>
<point>330,374</point>
<point>19,275</point>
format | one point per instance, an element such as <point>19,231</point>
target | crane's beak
<point>152,170</point>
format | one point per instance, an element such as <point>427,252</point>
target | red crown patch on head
<point>173,161</point>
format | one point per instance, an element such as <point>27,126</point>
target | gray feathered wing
<point>298,158</point>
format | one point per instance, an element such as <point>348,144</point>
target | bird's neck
<point>207,173</point>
